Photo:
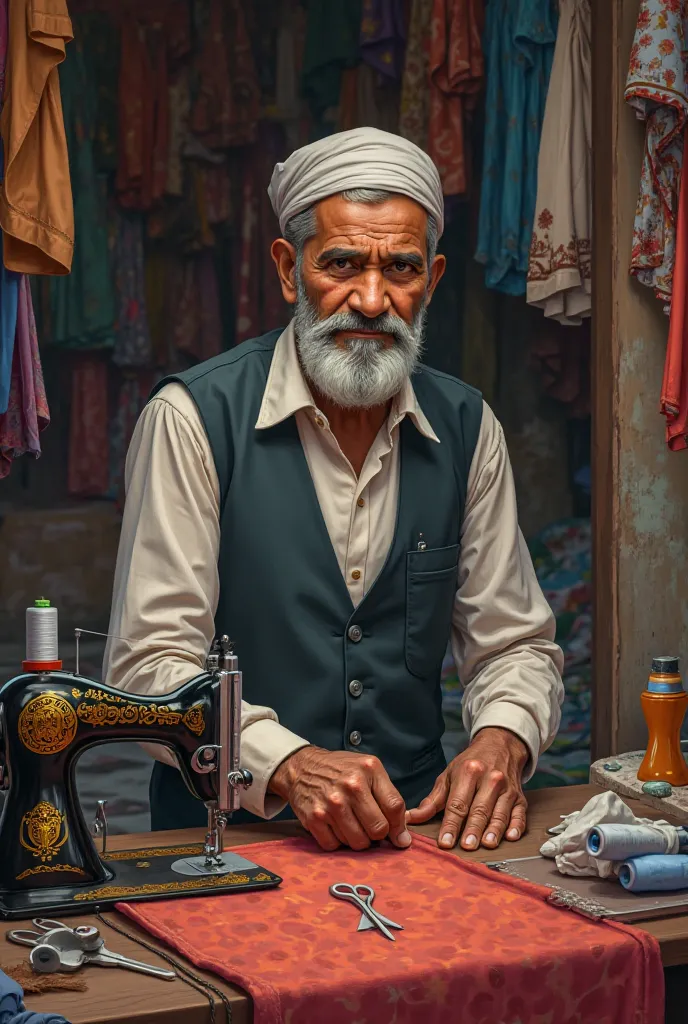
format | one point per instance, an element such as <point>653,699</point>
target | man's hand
<point>342,798</point>
<point>481,788</point>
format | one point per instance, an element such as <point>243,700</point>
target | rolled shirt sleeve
<point>166,583</point>
<point>503,629</point>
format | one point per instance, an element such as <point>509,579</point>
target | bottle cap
<point>41,603</point>
<point>665,665</point>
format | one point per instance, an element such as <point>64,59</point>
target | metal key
<point>63,950</point>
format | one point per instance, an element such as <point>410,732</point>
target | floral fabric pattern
<point>471,951</point>
<point>383,36</point>
<point>560,250</point>
<point>414,109</point>
<point>657,90</point>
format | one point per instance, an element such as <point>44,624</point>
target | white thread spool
<point>41,632</point>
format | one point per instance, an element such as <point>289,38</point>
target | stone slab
<point>625,782</point>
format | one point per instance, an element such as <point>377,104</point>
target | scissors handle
<point>345,891</point>
<point>24,937</point>
<point>44,924</point>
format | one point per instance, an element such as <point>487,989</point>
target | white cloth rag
<point>569,849</point>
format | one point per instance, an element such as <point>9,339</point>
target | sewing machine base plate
<point>139,875</point>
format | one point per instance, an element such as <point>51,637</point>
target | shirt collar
<point>287,392</point>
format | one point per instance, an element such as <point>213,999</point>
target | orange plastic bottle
<point>664,707</point>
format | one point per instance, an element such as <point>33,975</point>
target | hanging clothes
<point>132,338</point>
<point>657,90</point>
<point>674,397</point>
<point>226,110</point>
<point>414,111</point>
<point>561,248</point>
<point>99,36</point>
<point>83,304</point>
<point>562,358</point>
<point>519,48</point>
<point>27,410</point>
<point>290,43</point>
<point>332,44</point>
<point>36,213</point>
<point>198,319</point>
<point>89,449</point>
<point>133,396</point>
<point>9,280</point>
<point>383,36</point>
<point>456,78</point>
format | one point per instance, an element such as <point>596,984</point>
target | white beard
<point>363,373</point>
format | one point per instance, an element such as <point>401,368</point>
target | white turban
<point>361,158</point>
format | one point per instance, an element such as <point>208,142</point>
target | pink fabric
<point>27,413</point>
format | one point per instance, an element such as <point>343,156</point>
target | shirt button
<point>355,687</point>
<point>354,738</point>
<point>355,633</point>
<point>361,502</point>
<point>356,574</point>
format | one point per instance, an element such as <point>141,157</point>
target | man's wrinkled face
<point>360,295</point>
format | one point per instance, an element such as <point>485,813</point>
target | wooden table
<point>123,997</point>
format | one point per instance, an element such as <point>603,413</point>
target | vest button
<point>354,738</point>
<point>355,633</point>
<point>356,574</point>
<point>355,687</point>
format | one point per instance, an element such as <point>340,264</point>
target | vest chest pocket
<point>431,583</point>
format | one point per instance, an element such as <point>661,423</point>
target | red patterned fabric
<point>674,397</point>
<point>477,947</point>
<point>456,69</point>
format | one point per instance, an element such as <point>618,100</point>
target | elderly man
<point>342,511</point>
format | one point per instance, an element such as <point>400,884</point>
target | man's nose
<point>369,295</point>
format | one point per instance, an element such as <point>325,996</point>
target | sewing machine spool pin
<point>99,826</point>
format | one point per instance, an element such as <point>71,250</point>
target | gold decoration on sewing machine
<point>43,831</point>
<point>155,889</point>
<point>135,714</point>
<point>76,693</point>
<point>43,869</point>
<point>156,851</point>
<point>100,695</point>
<point>47,724</point>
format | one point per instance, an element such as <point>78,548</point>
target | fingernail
<point>490,837</point>
<point>469,842</point>
<point>404,838</point>
<point>513,833</point>
<point>447,839</point>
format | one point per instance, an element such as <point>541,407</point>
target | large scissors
<point>362,896</point>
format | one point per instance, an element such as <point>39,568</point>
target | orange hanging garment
<point>674,400</point>
<point>36,210</point>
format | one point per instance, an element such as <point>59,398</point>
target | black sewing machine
<point>48,858</point>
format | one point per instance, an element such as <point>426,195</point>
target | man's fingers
<point>348,825</point>
<point>492,785</point>
<point>458,803</point>
<point>389,800</point>
<point>317,824</point>
<point>432,804</point>
<point>517,824</point>
<point>499,820</point>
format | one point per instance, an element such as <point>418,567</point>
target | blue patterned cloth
<point>519,49</point>
<point>12,1009</point>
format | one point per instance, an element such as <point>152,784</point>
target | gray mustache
<point>386,324</point>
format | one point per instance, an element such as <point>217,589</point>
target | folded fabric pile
<point>13,1011</point>
<point>606,839</point>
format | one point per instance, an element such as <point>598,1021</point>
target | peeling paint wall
<point>652,499</point>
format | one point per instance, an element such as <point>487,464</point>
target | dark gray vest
<point>336,674</point>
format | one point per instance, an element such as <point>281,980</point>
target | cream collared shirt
<point>166,580</point>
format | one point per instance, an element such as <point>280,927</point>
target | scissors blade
<point>376,922</point>
<point>365,923</point>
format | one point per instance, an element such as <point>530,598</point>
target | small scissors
<point>362,896</point>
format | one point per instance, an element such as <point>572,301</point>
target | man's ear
<point>439,265</point>
<point>284,255</point>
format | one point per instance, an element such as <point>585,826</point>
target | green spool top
<point>41,603</point>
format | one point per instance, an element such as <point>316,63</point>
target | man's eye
<point>400,266</point>
<point>341,263</point>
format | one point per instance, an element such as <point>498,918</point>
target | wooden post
<point>639,488</point>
